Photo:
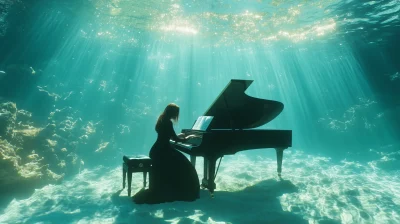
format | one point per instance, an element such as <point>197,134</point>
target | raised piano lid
<point>233,109</point>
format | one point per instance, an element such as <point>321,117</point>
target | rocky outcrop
<point>21,161</point>
<point>25,171</point>
<point>31,155</point>
<point>8,114</point>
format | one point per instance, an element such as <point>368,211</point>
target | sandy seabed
<point>314,189</point>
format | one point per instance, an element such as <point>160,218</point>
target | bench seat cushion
<point>137,161</point>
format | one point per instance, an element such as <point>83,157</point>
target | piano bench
<point>135,164</point>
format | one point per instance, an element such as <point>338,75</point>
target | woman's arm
<point>173,134</point>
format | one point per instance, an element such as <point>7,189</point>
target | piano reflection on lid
<point>233,115</point>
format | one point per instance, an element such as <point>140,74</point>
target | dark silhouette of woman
<point>172,177</point>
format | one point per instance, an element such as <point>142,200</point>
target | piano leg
<point>193,160</point>
<point>205,170</point>
<point>209,174</point>
<point>279,156</point>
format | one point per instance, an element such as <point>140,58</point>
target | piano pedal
<point>212,194</point>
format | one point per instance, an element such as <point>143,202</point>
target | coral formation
<point>31,155</point>
<point>22,151</point>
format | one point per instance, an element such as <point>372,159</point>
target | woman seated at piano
<point>173,177</point>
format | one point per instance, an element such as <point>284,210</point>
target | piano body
<point>234,115</point>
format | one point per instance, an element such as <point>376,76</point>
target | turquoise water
<point>82,83</point>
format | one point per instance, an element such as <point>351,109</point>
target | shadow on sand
<point>255,204</point>
<point>9,193</point>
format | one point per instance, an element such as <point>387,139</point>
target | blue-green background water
<point>101,71</point>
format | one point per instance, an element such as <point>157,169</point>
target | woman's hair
<point>170,112</point>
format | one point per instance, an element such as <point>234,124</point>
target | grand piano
<point>234,115</point>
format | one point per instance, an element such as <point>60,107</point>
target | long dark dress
<point>173,177</point>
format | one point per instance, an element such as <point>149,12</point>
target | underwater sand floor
<point>314,189</point>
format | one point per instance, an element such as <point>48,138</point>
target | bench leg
<point>144,179</point>
<point>129,182</point>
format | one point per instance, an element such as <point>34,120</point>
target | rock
<point>8,115</point>
<point>33,153</point>
<point>9,163</point>
<point>15,172</point>
<point>24,117</point>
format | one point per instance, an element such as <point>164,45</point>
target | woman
<point>173,177</point>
